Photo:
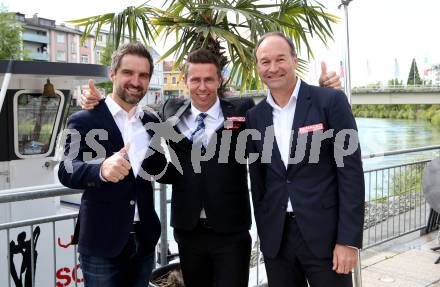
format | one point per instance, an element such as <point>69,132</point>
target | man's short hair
<point>279,34</point>
<point>203,56</point>
<point>135,48</point>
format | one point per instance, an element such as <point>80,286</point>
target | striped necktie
<point>199,133</point>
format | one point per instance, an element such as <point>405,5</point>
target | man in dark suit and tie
<point>117,228</point>
<point>210,207</point>
<point>309,208</point>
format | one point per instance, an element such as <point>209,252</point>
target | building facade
<point>173,83</point>
<point>43,40</point>
<point>434,74</point>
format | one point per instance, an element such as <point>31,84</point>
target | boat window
<point>36,119</point>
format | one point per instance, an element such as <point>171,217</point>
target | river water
<point>381,135</point>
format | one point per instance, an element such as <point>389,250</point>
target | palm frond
<point>230,25</point>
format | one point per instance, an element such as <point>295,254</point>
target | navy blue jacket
<point>328,200</point>
<point>107,209</point>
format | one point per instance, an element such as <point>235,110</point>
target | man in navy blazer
<point>108,154</point>
<point>308,189</point>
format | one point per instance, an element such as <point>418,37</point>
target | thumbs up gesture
<point>90,97</point>
<point>329,79</point>
<point>116,167</point>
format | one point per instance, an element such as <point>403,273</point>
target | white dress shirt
<point>213,121</point>
<point>188,122</point>
<point>134,135</point>
<point>282,124</point>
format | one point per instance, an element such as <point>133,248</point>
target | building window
<point>45,22</point>
<point>165,80</point>
<point>19,17</point>
<point>98,56</point>
<point>173,80</point>
<point>61,56</point>
<point>86,43</point>
<point>100,38</point>
<point>73,48</point>
<point>60,39</point>
<point>85,59</point>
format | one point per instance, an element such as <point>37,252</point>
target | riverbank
<point>430,113</point>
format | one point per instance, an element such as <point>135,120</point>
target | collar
<point>115,109</point>
<point>292,100</point>
<point>213,112</point>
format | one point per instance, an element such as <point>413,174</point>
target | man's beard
<point>132,99</point>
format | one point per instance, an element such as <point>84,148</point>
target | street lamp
<point>347,78</point>
<point>347,88</point>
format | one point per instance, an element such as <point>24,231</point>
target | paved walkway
<point>404,262</point>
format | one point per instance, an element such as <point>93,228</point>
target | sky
<point>381,33</point>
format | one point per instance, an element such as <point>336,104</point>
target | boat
<point>35,100</point>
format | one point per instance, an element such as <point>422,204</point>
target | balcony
<point>36,56</point>
<point>30,37</point>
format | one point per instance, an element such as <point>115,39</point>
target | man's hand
<point>329,79</point>
<point>91,97</point>
<point>116,167</point>
<point>344,259</point>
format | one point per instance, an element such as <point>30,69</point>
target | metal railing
<point>397,89</point>
<point>25,274</point>
<point>395,206</point>
<point>356,90</point>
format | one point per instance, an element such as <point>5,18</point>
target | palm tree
<point>229,29</point>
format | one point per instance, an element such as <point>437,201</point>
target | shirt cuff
<point>100,175</point>
<point>352,247</point>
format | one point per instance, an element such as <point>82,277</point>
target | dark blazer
<point>221,188</point>
<point>328,200</point>
<point>107,209</point>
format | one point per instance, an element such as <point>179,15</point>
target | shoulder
<point>151,116</point>
<point>324,96</point>
<point>171,106</point>
<point>83,116</point>
<point>258,108</point>
<point>240,104</point>
<point>88,118</point>
<point>238,101</point>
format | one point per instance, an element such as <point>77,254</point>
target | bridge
<point>393,95</point>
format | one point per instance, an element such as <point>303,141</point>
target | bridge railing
<point>394,206</point>
<point>355,90</point>
<point>396,89</point>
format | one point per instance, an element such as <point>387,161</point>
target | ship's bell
<point>49,90</point>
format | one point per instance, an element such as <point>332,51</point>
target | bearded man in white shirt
<point>117,228</point>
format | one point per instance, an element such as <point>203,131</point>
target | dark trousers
<point>211,259</point>
<point>132,268</point>
<point>295,264</point>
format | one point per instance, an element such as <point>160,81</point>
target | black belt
<point>135,227</point>
<point>203,222</point>
<point>290,215</point>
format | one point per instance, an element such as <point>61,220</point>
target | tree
<point>106,55</point>
<point>414,77</point>
<point>394,82</point>
<point>228,28</point>
<point>10,35</point>
<point>106,59</point>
